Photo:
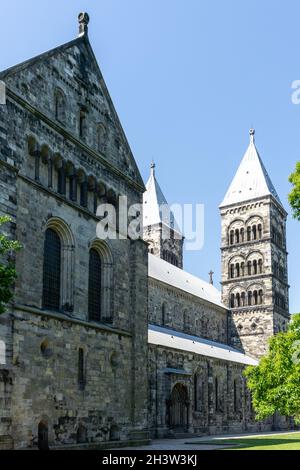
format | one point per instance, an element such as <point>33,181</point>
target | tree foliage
<point>275,382</point>
<point>7,269</point>
<point>294,196</point>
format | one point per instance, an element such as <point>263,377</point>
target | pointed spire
<point>83,20</point>
<point>156,208</point>
<point>251,180</point>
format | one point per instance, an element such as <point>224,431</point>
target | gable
<point>72,71</point>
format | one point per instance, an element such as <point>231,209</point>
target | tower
<point>160,229</point>
<point>254,257</point>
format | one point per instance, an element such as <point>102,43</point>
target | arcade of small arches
<point>248,268</point>
<point>247,299</point>
<point>51,170</point>
<point>251,232</point>
<point>101,129</point>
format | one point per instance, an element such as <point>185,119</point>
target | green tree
<point>275,382</point>
<point>7,270</point>
<point>294,196</point>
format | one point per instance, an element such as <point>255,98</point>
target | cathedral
<point>110,342</point>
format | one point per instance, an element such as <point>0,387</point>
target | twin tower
<point>254,257</point>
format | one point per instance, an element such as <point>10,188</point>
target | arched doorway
<point>43,436</point>
<point>179,407</point>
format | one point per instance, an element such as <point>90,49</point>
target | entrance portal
<point>179,408</point>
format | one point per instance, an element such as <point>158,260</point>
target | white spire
<point>251,179</point>
<point>155,206</point>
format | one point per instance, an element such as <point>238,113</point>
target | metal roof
<point>165,272</point>
<point>251,179</point>
<point>166,337</point>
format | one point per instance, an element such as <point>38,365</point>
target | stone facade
<point>66,378</point>
<point>180,311</point>
<point>255,266</point>
<point>63,151</point>
<point>165,243</point>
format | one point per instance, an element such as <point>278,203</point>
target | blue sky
<point>188,79</point>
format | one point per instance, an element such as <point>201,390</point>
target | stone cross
<point>211,273</point>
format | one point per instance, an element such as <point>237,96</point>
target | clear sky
<point>188,79</point>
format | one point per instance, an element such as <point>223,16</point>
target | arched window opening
<point>260,266</point>
<point>51,270</point>
<point>238,300</point>
<point>243,299</point>
<point>196,392</point>
<point>43,443</point>
<point>237,236</point>
<point>249,298</point>
<point>101,137</point>
<point>249,268</point>
<point>248,234</point>
<point>237,270</point>
<point>232,271</point>
<point>61,179</point>
<point>217,404</point>
<point>255,267</point>
<point>255,297</point>
<point>231,237</point>
<point>242,269</point>
<point>242,235</point>
<point>81,435</point>
<point>232,299</point>
<point>185,321</point>
<point>34,151</point>
<point>60,106</point>
<point>259,228</point>
<point>260,297</point>
<point>163,314</point>
<point>81,378</point>
<point>82,123</point>
<point>95,286</point>
<point>114,433</point>
<point>254,232</point>
<point>235,398</point>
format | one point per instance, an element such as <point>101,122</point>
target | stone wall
<point>226,411</point>
<point>55,174</point>
<point>185,312</point>
<point>165,243</point>
<point>252,319</point>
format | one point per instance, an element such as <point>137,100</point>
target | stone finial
<point>252,134</point>
<point>211,280</point>
<point>83,20</point>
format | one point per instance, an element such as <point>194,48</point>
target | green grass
<point>274,442</point>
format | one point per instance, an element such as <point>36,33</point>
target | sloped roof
<point>156,209</point>
<point>166,337</point>
<point>251,179</point>
<point>83,42</point>
<point>167,273</point>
